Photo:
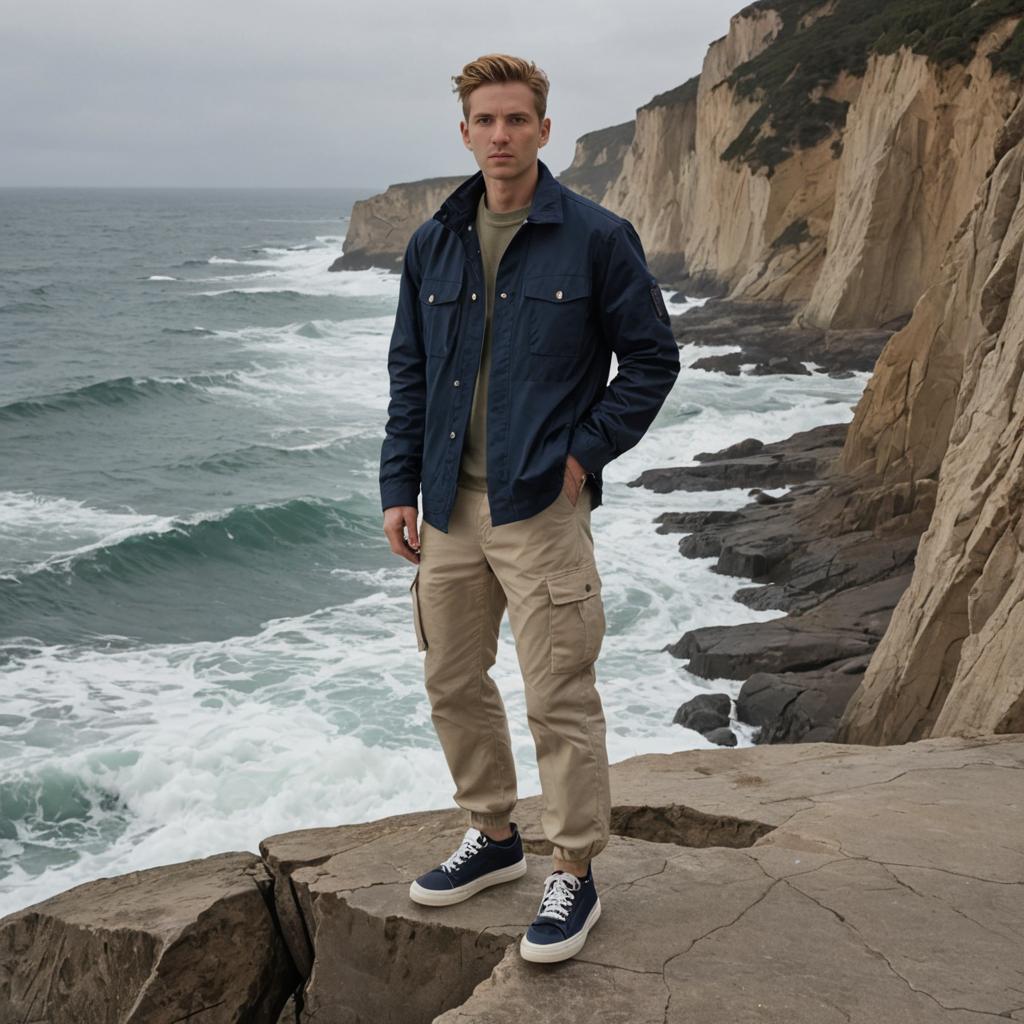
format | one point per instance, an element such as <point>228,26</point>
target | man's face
<point>503,120</point>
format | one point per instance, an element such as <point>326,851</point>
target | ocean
<point>204,637</point>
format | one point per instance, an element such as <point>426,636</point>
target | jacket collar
<point>461,205</point>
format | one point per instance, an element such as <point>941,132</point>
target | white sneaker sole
<point>446,897</point>
<point>550,952</point>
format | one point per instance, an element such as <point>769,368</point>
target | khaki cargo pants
<point>542,568</point>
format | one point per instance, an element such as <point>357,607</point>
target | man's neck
<point>504,195</point>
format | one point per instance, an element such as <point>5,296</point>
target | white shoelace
<point>471,843</point>
<point>557,901</point>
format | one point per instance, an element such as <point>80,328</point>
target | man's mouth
<point>501,156</point>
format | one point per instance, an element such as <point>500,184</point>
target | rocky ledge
<point>817,883</point>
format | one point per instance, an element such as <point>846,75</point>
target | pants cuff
<point>495,821</point>
<point>578,855</point>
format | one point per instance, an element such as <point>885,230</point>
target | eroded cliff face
<point>380,227</point>
<point>673,167</point>
<point>945,412</point>
<point>597,161</point>
<point>852,228</point>
<point>654,174</point>
<point>917,144</point>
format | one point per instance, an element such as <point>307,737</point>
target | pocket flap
<point>434,291</point>
<point>574,585</point>
<point>557,287</point>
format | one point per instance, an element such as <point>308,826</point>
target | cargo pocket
<point>417,621</point>
<point>577,618</point>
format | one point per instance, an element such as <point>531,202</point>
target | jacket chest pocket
<point>555,310</point>
<point>439,314</point>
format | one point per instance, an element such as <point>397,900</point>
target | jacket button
<point>504,295</point>
<point>430,298</point>
<point>558,294</point>
<point>587,587</point>
<point>456,383</point>
<point>452,434</point>
<point>473,296</point>
<point>470,228</point>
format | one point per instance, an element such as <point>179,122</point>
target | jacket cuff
<point>399,492</point>
<point>592,454</point>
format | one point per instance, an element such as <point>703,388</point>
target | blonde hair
<point>500,67</point>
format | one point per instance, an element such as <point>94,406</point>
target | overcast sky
<point>311,92</point>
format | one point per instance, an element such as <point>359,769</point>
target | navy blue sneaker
<point>568,910</point>
<point>479,862</point>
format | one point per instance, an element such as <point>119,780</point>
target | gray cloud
<point>311,93</point>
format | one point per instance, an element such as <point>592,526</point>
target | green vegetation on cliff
<point>685,93</point>
<point>801,60</point>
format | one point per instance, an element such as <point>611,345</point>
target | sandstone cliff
<point>942,423</point>
<point>380,227</point>
<point>597,161</point>
<point>844,198</point>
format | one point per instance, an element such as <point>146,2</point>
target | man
<point>513,297</point>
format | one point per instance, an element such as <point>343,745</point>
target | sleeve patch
<point>659,304</point>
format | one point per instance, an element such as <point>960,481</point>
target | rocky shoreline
<point>812,883</point>
<point>838,588</point>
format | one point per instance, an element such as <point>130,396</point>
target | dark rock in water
<point>807,455</point>
<point>840,374</point>
<point>763,498</point>
<point>687,522</point>
<point>724,737</point>
<point>766,335</point>
<point>728,363</point>
<point>807,555</point>
<point>702,720</point>
<point>780,364</point>
<point>846,625</point>
<point>801,669</point>
<point>748,446</point>
<point>704,712</point>
<point>733,652</point>
<point>838,588</point>
<point>790,706</point>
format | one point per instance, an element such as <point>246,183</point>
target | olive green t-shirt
<point>494,231</point>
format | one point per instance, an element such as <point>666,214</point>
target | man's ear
<point>545,131</point>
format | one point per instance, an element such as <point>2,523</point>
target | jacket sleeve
<point>636,324</point>
<point>401,453</point>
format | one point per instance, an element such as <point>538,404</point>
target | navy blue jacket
<point>572,287</point>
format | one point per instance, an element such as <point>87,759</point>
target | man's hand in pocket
<point>575,477</point>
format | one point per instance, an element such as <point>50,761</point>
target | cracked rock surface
<point>811,883</point>
<point>194,942</point>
